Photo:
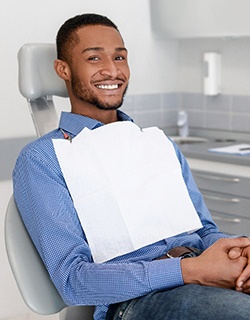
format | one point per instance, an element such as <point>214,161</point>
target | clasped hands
<point>243,281</point>
<point>225,264</point>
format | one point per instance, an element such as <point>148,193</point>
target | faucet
<point>182,124</point>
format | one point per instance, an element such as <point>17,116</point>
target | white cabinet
<point>226,191</point>
<point>200,18</point>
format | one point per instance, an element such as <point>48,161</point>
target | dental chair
<point>38,83</point>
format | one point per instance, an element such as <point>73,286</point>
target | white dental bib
<point>127,187</point>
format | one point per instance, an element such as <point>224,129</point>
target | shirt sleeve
<point>48,212</point>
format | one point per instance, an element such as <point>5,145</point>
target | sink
<point>188,140</point>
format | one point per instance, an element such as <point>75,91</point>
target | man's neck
<point>104,116</point>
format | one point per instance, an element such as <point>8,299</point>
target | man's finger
<point>230,243</point>
<point>235,253</point>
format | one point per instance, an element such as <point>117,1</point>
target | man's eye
<point>120,58</point>
<point>94,58</point>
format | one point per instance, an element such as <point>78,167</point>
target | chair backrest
<point>38,83</point>
<point>31,276</point>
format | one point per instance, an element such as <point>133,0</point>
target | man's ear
<point>62,69</point>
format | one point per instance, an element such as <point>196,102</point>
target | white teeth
<point>108,86</point>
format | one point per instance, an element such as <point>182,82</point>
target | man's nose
<point>110,68</point>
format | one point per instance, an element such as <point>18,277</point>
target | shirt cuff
<point>165,273</point>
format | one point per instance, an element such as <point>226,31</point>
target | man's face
<point>99,67</point>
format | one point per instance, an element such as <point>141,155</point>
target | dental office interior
<point>190,76</point>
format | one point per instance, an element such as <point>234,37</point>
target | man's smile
<point>107,86</point>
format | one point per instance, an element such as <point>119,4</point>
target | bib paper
<point>127,187</point>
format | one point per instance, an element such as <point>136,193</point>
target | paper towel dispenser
<point>200,19</point>
<point>212,76</point>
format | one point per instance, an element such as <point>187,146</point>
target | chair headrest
<point>37,77</point>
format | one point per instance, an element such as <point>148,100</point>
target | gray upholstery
<point>37,77</point>
<point>38,83</point>
<point>29,271</point>
<point>32,278</point>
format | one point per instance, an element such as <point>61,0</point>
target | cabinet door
<point>228,204</point>
<point>230,224</point>
<point>225,184</point>
<point>228,199</point>
<point>197,18</point>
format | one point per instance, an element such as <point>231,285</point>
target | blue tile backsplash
<point>222,112</point>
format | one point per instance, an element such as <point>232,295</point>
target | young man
<point>139,284</point>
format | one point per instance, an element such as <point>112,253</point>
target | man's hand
<point>214,267</point>
<point>243,281</point>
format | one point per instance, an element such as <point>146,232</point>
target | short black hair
<point>67,37</point>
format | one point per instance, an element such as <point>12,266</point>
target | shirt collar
<point>75,123</point>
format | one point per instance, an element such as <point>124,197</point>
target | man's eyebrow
<point>119,49</point>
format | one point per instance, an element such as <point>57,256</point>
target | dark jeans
<point>188,302</point>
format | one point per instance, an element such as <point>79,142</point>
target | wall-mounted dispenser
<point>212,73</point>
<point>182,123</point>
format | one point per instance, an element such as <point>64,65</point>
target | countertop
<point>199,150</point>
<point>219,168</point>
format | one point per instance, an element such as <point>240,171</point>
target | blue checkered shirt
<point>48,212</point>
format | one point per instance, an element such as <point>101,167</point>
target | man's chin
<point>107,107</point>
